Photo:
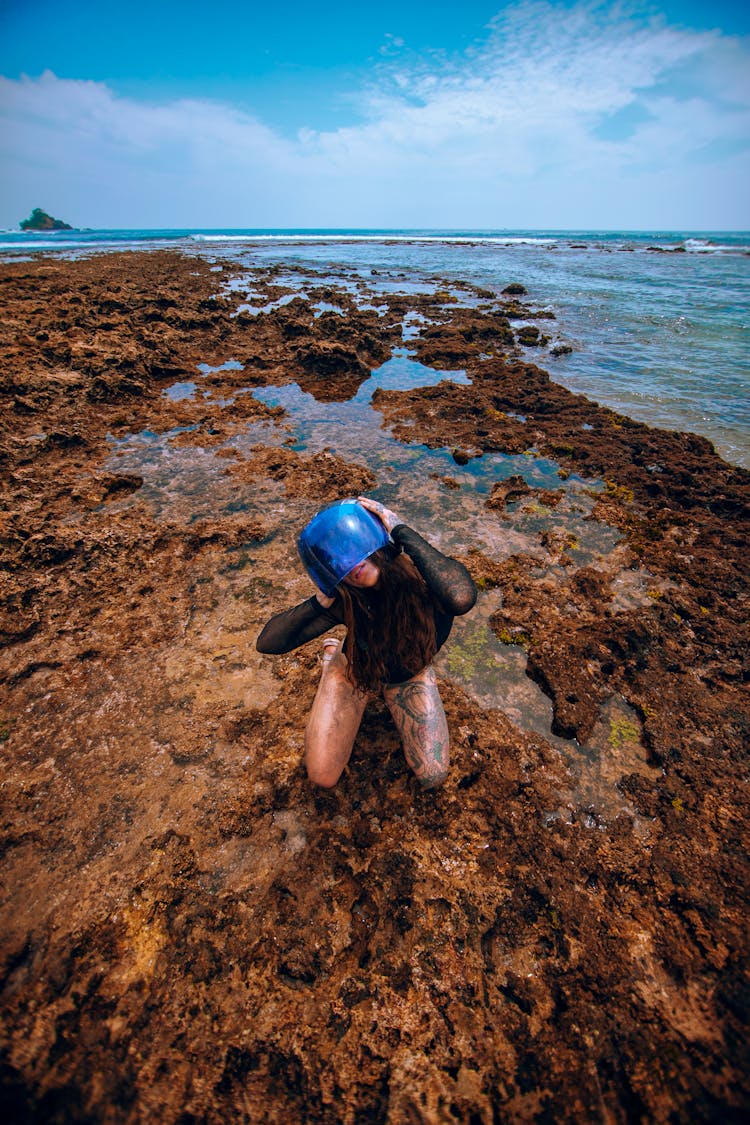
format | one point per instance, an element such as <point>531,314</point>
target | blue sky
<point>537,113</point>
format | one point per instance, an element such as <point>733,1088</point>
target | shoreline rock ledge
<point>40,220</point>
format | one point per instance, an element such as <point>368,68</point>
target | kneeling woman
<point>397,597</point>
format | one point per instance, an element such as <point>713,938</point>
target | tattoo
<point>418,713</point>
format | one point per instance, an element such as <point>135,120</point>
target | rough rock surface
<point>189,931</point>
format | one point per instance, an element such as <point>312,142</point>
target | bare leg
<point>417,711</point>
<point>334,719</point>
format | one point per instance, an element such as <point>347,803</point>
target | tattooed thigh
<point>417,711</point>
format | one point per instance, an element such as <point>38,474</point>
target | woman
<point>398,603</point>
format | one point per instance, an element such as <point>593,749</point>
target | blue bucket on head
<point>337,539</point>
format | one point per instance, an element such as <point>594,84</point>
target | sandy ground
<point>190,933</point>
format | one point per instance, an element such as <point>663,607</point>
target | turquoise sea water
<point>659,322</point>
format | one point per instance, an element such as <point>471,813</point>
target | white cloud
<point>514,133</point>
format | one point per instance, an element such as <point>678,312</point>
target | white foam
<point>706,246</point>
<point>497,240</point>
<point>699,245</point>
<point>40,244</point>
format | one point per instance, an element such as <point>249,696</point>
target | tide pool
<point>658,323</point>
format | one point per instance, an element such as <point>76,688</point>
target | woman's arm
<point>448,579</point>
<point>294,627</point>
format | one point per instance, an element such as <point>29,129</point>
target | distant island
<point>40,220</point>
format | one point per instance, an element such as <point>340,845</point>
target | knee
<point>321,776</point>
<point>322,770</point>
<point>434,777</point>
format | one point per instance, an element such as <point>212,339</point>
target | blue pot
<point>337,539</point>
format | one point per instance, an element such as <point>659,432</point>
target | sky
<point>533,114</point>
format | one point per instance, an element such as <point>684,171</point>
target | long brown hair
<point>391,624</point>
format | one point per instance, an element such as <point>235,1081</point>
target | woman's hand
<point>388,518</point>
<point>323,600</point>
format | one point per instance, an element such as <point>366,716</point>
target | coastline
<point>651,324</point>
<point>196,911</point>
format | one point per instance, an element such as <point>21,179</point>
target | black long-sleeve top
<point>448,581</point>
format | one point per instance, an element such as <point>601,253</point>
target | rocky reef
<point>190,933</point>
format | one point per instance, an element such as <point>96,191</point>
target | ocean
<point>658,322</point>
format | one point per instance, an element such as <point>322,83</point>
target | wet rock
<point>19,616</point>
<point>507,491</point>
<point>529,336</point>
<point>320,476</point>
<point>447,346</point>
<point>332,372</point>
<point>574,695</point>
<point>186,922</point>
<point>109,486</point>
